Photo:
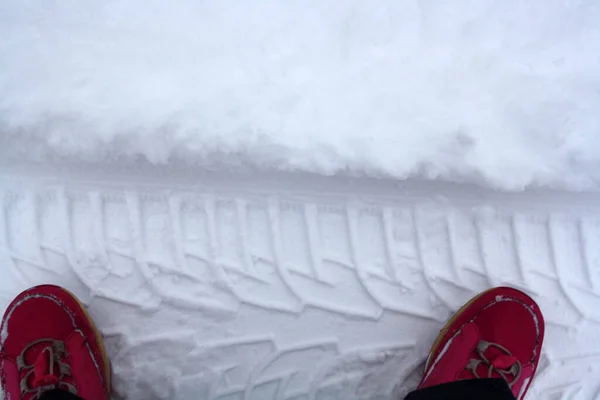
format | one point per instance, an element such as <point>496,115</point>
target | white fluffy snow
<point>501,93</point>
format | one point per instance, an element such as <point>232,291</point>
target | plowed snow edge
<point>298,287</point>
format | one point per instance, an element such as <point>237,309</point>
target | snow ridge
<point>500,93</point>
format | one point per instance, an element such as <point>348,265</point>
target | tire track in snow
<point>294,286</point>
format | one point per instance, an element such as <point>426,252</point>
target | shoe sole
<point>436,344</point>
<point>99,340</point>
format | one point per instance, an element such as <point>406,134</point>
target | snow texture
<point>276,285</point>
<point>303,288</point>
<point>501,93</point>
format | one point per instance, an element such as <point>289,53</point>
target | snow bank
<point>504,93</point>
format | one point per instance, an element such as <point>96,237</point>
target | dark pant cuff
<point>470,389</point>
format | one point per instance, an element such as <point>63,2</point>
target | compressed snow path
<point>288,287</point>
<point>501,93</point>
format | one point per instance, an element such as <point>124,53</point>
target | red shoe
<point>498,334</point>
<point>47,341</point>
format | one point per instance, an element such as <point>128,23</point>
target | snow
<point>288,288</point>
<point>128,128</point>
<point>500,93</point>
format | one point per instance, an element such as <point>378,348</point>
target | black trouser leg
<point>470,389</point>
<point>59,394</point>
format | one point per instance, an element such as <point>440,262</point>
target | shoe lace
<point>43,369</point>
<point>503,365</point>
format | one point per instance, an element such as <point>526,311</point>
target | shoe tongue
<point>45,370</point>
<point>504,362</point>
<point>498,358</point>
<point>483,370</point>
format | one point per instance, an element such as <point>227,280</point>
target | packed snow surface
<point>500,93</point>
